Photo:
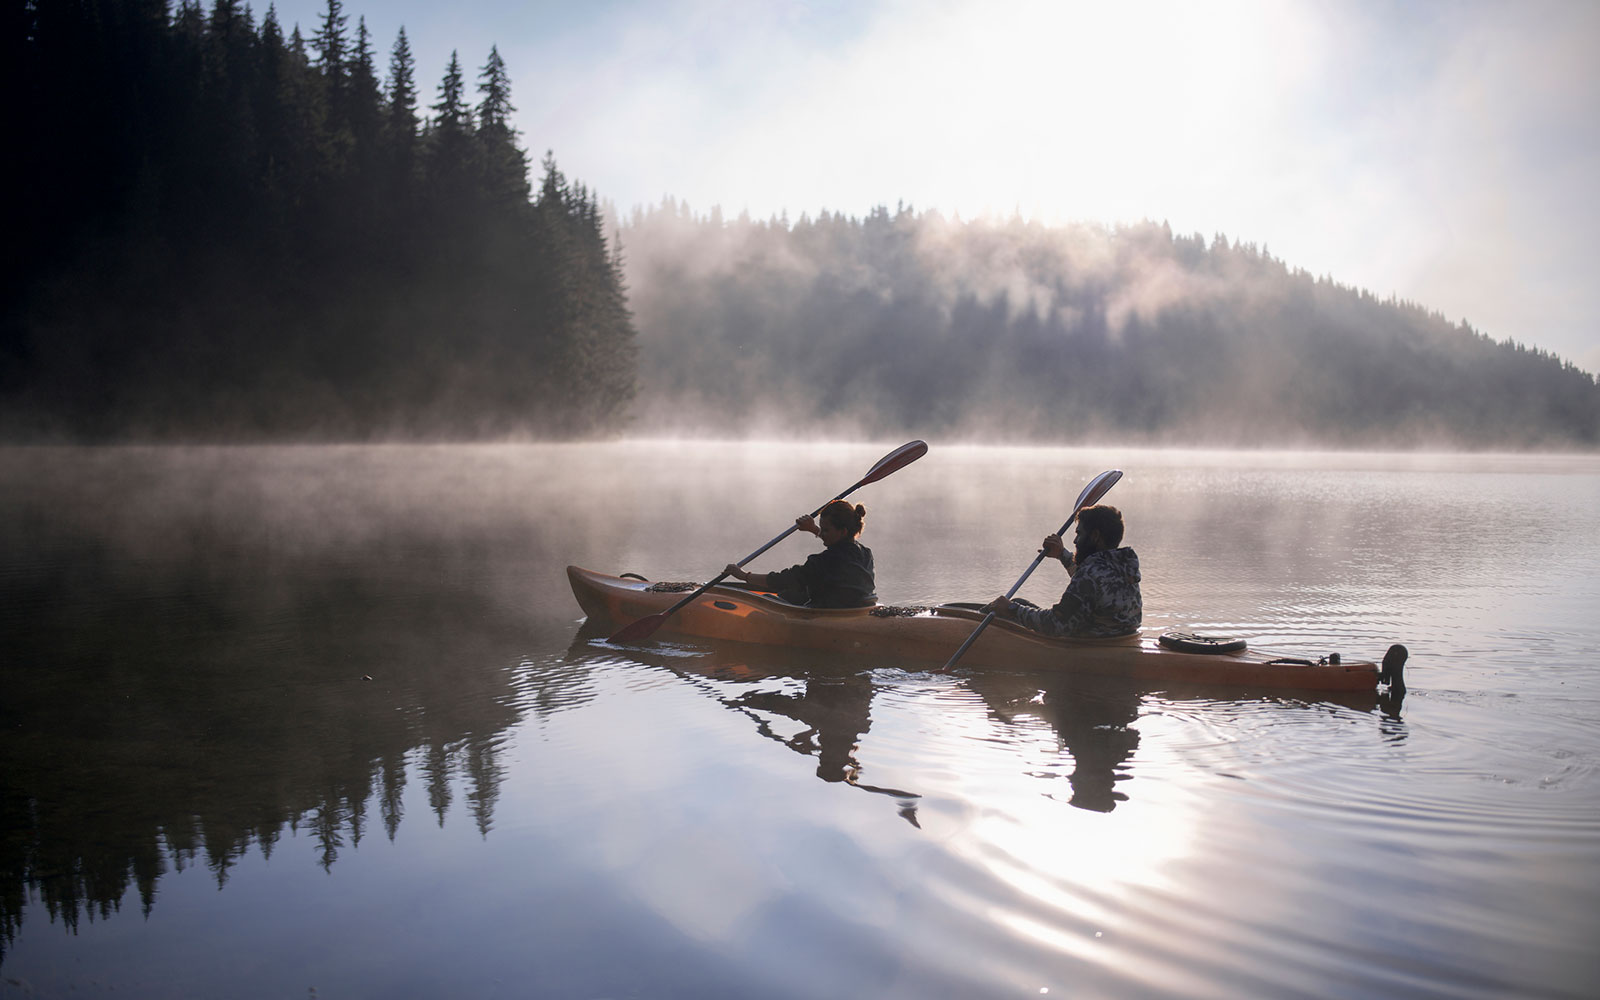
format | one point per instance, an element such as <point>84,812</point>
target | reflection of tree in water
<point>177,712</point>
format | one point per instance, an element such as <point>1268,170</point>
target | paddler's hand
<point>1000,606</point>
<point>733,570</point>
<point>1053,546</point>
<point>805,524</point>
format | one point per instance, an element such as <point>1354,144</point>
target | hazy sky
<point>1446,152</point>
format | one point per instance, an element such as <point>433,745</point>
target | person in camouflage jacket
<point>1103,597</point>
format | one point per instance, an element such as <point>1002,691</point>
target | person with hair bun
<point>840,576</point>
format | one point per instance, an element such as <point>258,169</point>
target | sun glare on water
<point>1068,867</point>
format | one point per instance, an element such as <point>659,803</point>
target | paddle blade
<point>895,461</point>
<point>641,629</point>
<point>1098,487</point>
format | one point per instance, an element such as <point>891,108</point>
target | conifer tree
<point>365,99</point>
<point>308,152</point>
<point>271,31</point>
<point>331,46</point>
<point>494,111</point>
<point>402,112</point>
<point>451,113</point>
<point>190,21</point>
<point>271,59</point>
<point>400,123</point>
<point>505,165</point>
<point>450,160</point>
<point>365,94</point>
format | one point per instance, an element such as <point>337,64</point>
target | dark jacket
<point>840,576</point>
<point>1102,599</point>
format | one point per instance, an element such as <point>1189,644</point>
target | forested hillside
<point>217,232</point>
<point>912,323</point>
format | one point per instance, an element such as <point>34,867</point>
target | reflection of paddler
<point>1093,720</point>
<point>837,712</point>
<point>1098,732</point>
<point>835,708</point>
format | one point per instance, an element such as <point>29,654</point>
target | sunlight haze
<point>1442,153</point>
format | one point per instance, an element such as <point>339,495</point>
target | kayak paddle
<point>1097,488</point>
<point>888,464</point>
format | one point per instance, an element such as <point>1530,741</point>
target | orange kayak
<point>932,634</point>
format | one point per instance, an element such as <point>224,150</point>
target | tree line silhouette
<point>219,231</point>
<point>912,322</point>
<point>222,232</point>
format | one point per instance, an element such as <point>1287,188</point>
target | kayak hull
<point>932,635</point>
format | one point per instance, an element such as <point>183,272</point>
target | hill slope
<point>909,322</point>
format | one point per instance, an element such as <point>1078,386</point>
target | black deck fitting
<point>1392,672</point>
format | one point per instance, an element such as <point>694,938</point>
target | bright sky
<point>1446,152</point>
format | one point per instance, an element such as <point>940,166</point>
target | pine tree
<point>330,41</point>
<point>306,109</point>
<point>190,21</point>
<point>505,165</point>
<point>333,59</point>
<point>450,162</point>
<point>228,106</point>
<point>402,115</point>
<point>366,100</point>
<point>400,164</point>
<point>272,56</point>
<point>494,111</point>
<point>593,330</point>
<point>451,113</point>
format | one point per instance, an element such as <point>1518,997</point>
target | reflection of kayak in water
<point>814,703</point>
<point>932,634</point>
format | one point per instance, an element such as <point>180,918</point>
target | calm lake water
<point>290,722</point>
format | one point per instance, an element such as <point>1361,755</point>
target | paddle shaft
<point>887,465</point>
<point>1098,487</point>
<point>791,529</point>
<point>1009,594</point>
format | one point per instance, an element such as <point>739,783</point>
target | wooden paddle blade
<point>895,461</point>
<point>641,629</point>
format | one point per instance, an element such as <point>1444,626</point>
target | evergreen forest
<point>912,323</point>
<point>223,231</point>
<point>218,231</point>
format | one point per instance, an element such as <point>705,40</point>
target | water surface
<point>275,720</point>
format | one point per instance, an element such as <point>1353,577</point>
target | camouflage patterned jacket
<point>1102,599</point>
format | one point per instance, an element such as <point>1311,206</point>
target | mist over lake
<point>319,368</point>
<point>288,718</point>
